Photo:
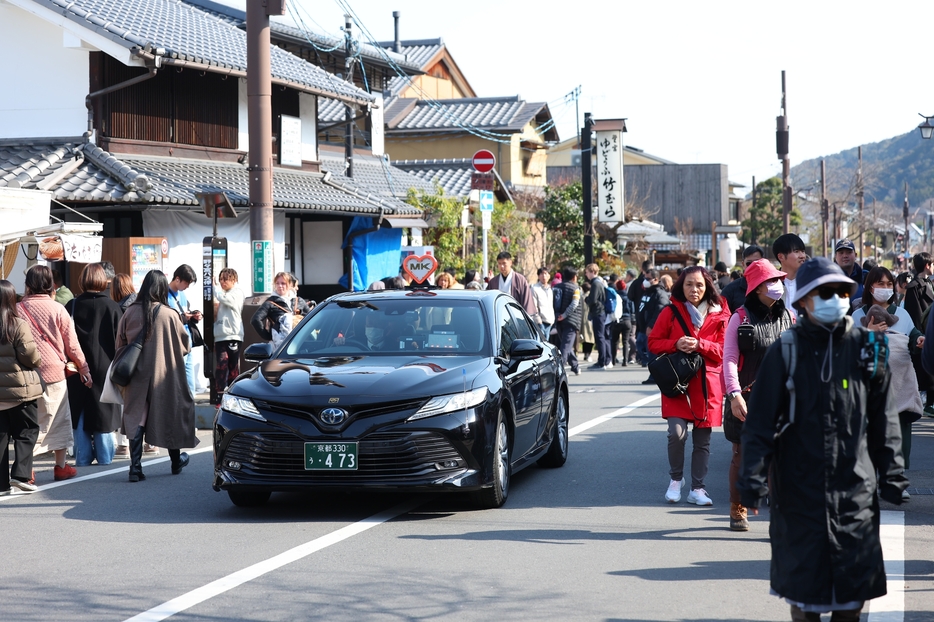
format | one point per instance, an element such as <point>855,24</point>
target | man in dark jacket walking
<point>654,299</point>
<point>919,294</point>
<point>596,299</point>
<point>837,429</point>
<point>568,315</point>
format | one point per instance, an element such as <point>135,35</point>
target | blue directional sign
<point>486,200</point>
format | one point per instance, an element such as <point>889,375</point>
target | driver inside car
<point>366,331</point>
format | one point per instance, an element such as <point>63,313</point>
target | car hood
<point>361,378</point>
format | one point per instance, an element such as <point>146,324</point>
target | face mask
<point>829,311</point>
<point>374,335</point>
<point>775,290</point>
<point>646,283</point>
<point>881,294</point>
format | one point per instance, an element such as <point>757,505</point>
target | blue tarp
<point>376,255</point>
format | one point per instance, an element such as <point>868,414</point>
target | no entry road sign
<point>484,161</point>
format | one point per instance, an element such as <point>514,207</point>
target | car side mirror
<point>258,352</point>
<point>525,350</point>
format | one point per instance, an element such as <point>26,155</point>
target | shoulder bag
<point>672,372</point>
<point>124,366</point>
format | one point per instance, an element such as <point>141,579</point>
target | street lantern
<point>927,128</point>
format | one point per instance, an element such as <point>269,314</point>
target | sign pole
<point>484,162</point>
<point>587,187</point>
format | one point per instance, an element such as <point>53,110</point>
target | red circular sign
<point>484,161</point>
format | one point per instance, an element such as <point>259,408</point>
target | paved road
<point>591,541</point>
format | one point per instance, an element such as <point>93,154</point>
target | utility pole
<point>781,144</point>
<point>824,208</point>
<point>905,217</point>
<point>259,115</point>
<point>859,199</point>
<point>752,215</point>
<point>587,187</point>
<point>348,108</point>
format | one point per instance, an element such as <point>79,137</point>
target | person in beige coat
<point>157,404</point>
<point>19,389</point>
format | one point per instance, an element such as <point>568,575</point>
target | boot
<point>179,460</point>
<point>848,615</point>
<point>136,455</point>
<point>738,521</point>
<point>800,616</point>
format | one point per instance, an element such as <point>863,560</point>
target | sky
<point>698,82</point>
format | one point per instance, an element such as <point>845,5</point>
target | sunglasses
<point>749,262</point>
<point>826,292</point>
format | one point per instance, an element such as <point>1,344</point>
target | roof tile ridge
<point>130,178</point>
<point>345,184</point>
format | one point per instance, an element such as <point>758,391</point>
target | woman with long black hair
<point>19,389</point>
<point>157,403</point>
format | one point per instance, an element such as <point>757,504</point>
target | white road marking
<point>616,413</point>
<point>891,607</point>
<point>215,588</point>
<point>84,478</point>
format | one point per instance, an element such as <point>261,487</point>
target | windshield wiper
<point>356,304</point>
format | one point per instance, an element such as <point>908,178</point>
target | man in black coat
<point>568,316</point>
<point>735,292</point>
<point>821,472</point>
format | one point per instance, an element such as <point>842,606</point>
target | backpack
<point>873,355</point>
<point>610,302</point>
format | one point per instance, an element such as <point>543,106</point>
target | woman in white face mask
<point>879,289</point>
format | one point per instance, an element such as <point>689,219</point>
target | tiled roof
<point>374,174</point>
<point>330,111</point>
<point>188,33</point>
<point>276,27</point>
<point>452,174</point>
<point>417,52</point>
<point>101,177</point>
<point>506,114</point>
<point>33,165</point>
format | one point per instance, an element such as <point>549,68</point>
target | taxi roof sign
<point>420,267</point>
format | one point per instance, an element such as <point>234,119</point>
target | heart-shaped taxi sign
<point>419,268</point>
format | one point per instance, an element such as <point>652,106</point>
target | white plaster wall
<point>308,112</point>
<point>322,257</point>
<point>44,95</point>
<point>243,119</point>
<point>377,136</point>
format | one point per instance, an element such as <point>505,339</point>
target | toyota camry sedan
<point>446,390</point>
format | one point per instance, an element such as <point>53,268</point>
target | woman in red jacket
<point>706,315</point>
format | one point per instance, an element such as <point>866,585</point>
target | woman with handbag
<point>61,355</point>
<point>282,311</point>
<point>752,329</point>
<point>693,324</point>
<point>95,317</point>
<point>20,389</point>
<point>157,404</point>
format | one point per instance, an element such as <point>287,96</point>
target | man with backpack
<point>821,424</point>
<point>568,316</point>
<point>597,299</point>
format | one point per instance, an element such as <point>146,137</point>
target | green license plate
<point>330,456</point>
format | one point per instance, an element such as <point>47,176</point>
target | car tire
<point>248,499</point>
<point>557,453</point>
<point>495,496</point>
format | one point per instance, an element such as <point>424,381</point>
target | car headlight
<point>451,403</point>
<point>241,406</point>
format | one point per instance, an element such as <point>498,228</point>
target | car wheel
<point>251,499</point>
<point>557,453</point>
<point>495,495</point>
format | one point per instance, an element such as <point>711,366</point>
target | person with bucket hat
<point>755,326</point>
<point>821,438</point>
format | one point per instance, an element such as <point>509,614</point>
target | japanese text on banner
<point>610,203</point>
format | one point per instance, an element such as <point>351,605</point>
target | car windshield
<point>413,325</point>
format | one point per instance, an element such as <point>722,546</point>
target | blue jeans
<point>642,348</point>
<point>545,329</point>
<point>190,374</point>
<point>92,445</point>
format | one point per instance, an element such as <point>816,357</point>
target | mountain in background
<point>887,165</point>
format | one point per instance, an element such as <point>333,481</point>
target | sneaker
<point>648,380</point>
<point>699,496</point>
<point>596,366</point>
<point>905,495</point>
<point>122,451</point>
<point>577,372</point>
<point>24,486</point>
<point>64,472</point>
<point>928,411</point>
<point>150,450</point>
<point>610,366</point>
<point>588,358</point>
<point>674,491</point>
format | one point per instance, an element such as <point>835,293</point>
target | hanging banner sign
<point>610,176</point>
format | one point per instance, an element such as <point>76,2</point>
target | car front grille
<point>390,457</point>
<point>355,412</point>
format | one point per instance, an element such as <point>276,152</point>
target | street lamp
<point>927,128</point>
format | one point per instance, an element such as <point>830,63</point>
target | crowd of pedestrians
<point>56,354</point>
<point>815,368</point>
